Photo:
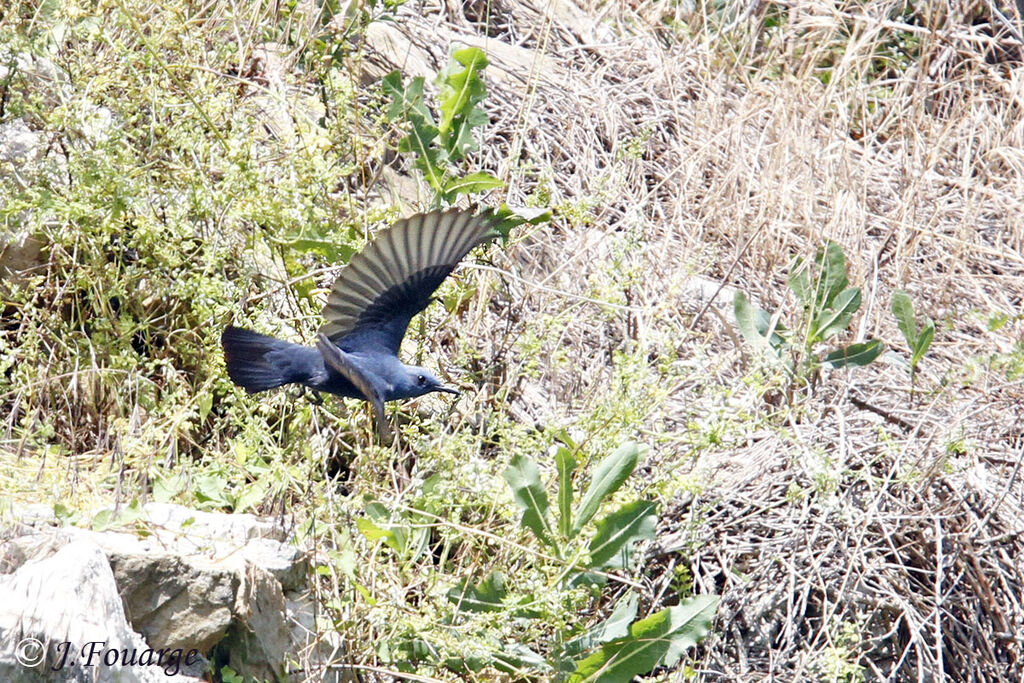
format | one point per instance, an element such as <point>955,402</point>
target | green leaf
<point>250,496</point>
<point>212,489</point>
<point>372,532</point>
<point>487,596</point>
<point>832,275</point>
<point>834,320</point>
<point>608,477</point>
<point>514,217</point>
<point>923,342</point>
<point>407,105</point>
<point>855,354</point>
<point>757,326</point>
<point>524,478</point>
<point>405,100</point>
<point>566,464</point>
<point>430,159</point>
<point>611,547</point>
<point>615,626</point>
<point>519,660</point>
<point>747,322</point>
<point>474,182</point>
<point>329,247</point>
<point>799,281</point>
<point>903,309</point>
<point>165,489</point>
<point>204,403</point>
<point>659,638</point>
<point>460,91</point>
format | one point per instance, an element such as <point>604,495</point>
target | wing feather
<point>393,278</point>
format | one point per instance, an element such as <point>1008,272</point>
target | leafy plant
<point>620,647</point>
<point>440,142</point>
<point>918,339</point>
<point>827,304</point>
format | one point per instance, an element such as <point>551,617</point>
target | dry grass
<point>860,535</point>
<point>863,536</point>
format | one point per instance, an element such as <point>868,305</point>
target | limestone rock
<point>61,619</point>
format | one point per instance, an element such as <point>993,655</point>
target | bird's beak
<point>447,390</point>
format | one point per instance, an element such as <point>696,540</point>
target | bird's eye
<point>421,380</point>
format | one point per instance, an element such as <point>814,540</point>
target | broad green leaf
<point>524,478</point>
<point>756,326</point>
<point>103,520</point>
<point>459,140</point>
<point>513,217</point>
<point>903,309</point>
<point>250,496</point>
<point>405,101</point>
<point>834,320</point>
<point>615,626</point>
<point>407,105</point>
<point>747,322</point>
<point>212,488</point>
<point>608,477</point>
<point>831,275</point>
<point>519,660</point>
<point>460,91</point>
<point>611,547</point>
<point>487,596</point>
<point>855,354</point>
<point>799,281</point>
<point>431,159</point>
<point>923,342</point>
<point>474,182</point>
<point>661,637</point>
<point>378,512</point>
<point>166,488</point>
<point>566,465</point>
<point>372,532</point>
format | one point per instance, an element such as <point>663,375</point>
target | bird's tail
<point>249,366</point>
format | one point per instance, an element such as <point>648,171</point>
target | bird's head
<point>416,381</point>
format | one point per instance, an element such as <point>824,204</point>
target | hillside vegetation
<point>173,168</point>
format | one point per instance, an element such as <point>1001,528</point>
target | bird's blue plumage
<point>368,312</point>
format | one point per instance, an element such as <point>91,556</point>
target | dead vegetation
<point>859,535</point>
<point>863,536</point>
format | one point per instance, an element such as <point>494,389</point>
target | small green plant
<point>918,339</point>
<point>620,647</point>
<point>827,305</point>
<point>440,143</point>
<point>497,617</point>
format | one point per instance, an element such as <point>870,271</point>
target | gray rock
<point>259,636</point>
<point>19,144</point>
<point>319,651</point>
<point>193,580</point>
<point>61,619</point>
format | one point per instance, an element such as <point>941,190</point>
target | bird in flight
<point>367,313</point>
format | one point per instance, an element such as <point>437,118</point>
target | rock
<point>176,601</point>
<point>20,149</point>
<point>19,144</point>
<point>192,581</point>
<point>259,636</point>
<point>61,619</point>
<point>321,652</point>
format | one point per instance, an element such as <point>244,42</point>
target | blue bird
<point>368,311</point>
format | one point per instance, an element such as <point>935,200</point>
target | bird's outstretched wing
<point>339,361</point>
<point>393,278</point>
